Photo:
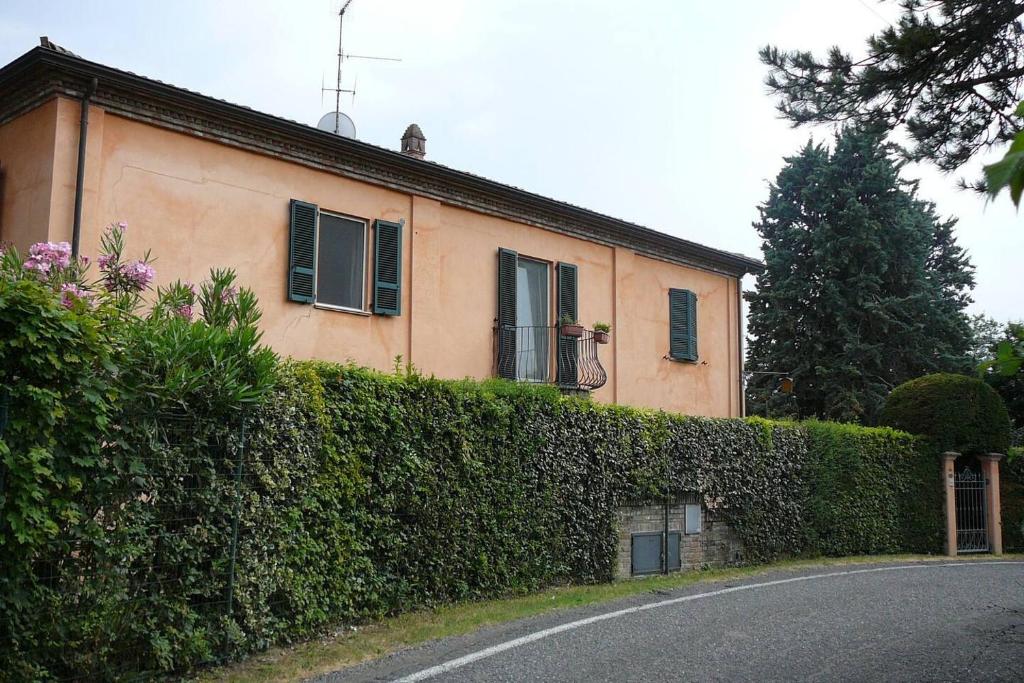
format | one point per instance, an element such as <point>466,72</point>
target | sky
<point>650,111</point>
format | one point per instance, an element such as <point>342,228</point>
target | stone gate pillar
<point>948,484</point>
<point>993,511</point>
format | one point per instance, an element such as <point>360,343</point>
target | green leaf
<point>1009,171</point>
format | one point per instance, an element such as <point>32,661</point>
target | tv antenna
<point>336,122</point>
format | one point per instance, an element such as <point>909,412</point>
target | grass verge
<point>357,644</point>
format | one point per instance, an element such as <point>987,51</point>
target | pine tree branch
<point>997,77</point>
<point>950,71</point>
<point>994,109</point>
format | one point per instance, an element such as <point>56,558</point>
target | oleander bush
<point>112,507</point>
<point>58,390</point>
<point>174,495</point>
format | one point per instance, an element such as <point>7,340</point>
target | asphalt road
<point>923,622</point>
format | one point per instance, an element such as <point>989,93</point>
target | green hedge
<point>1011,492</point>
<point>367,494</point>
<point>958,413</point>
<point>871,491</point>
<point>429,491</point>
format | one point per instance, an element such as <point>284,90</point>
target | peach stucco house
<point>363,253</point>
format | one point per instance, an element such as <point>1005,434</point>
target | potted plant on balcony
<point>568,327</point>
<point>601,332</point>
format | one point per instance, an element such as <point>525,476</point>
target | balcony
<point>543,355</point>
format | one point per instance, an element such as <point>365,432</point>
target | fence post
<point>948,484</point>
<point>234,520</point>
<point>993,513</point>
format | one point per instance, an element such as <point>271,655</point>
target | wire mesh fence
<point>146,570</point>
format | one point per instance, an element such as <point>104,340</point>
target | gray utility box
<point>648,556</point>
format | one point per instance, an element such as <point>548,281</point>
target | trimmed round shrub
<point>958,413</point>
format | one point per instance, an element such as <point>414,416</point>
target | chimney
<point>413,142</point>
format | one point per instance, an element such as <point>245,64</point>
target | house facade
<point>361,253</point>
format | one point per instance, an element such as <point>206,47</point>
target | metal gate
<point>971,527</point>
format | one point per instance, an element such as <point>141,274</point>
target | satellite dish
<point>337,123</point>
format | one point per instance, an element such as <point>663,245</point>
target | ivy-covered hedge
<point>871,491</point>
<point>404,491</point>
<point>1011,492</point>
<point>427,491</point>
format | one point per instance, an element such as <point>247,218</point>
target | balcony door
<point>533,321</point>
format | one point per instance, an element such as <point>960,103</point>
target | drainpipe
<point>739,345</point>
<point>83,135</point>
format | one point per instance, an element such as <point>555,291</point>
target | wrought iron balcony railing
<point>542,354</point>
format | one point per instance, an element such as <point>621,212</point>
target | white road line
<point>538,635</point>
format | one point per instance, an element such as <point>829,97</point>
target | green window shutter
<point>387,268</point>
<point>302,252</point>
<point>682,312</point>
<point>567,297</point>
<point>508,265</point>
<point>568,347</point>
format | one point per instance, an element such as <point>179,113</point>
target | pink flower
<point>122,226</point>
<point>40,266</point>
<point>84,260</point>
<point>46,256</point>
<point>229,294</point>
<point>105,260</point>
<point>139,274</point>
<point>58,253</point>
<point>70,293</point>
<point>184,311</point>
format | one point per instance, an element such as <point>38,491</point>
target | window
<point>682,317</point>
<point>526,328</point>
<point>532,318</point>
<point>327,260</point>
<point>340,262</point>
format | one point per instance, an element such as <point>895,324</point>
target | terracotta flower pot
<point>601,337</point>
<point>574,330</point>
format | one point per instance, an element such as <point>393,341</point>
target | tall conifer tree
<point>864,288</point>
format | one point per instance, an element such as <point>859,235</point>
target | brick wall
<point>716,545</point>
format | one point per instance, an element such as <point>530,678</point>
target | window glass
<point>532,319</point>
<point>340,260</point>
